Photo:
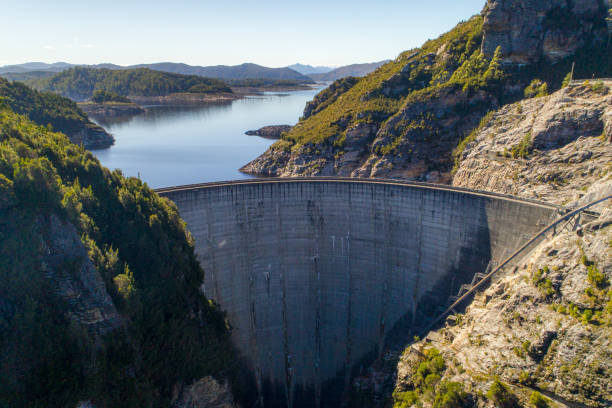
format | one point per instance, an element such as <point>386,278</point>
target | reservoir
<point>176,145</point>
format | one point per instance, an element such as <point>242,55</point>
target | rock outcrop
<point>529,31</point>
<point>206,393</point>
<point>92,137</point>
<point>544,324</point>
<point>82,289</point>
<point>270,132</point>
<point>566,140</point>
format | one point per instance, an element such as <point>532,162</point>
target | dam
<point>316,274</point>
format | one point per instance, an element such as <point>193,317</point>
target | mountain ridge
<point>237,72</point>
<point>355,70</point>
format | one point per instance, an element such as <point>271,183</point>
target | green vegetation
<point>329,95</point>
<point>536,89</point>
<point>102,96</point>
<point>566,80</point>
<point>26,76</point>
<point>458,152</point>
<point>80,83</point>
<point>599,87</point>
<point>543,284</point>
<point>448,77</point>
<point>426,385</point>
<point>523,148</point>
<point>538,400</point>
<point>137,243</point>
<point>44,108</point>
<point>596,278</point>
<point>501,395</point>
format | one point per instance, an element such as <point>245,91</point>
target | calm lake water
<point>171,146</point>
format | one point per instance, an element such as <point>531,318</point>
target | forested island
<point>104,104</point>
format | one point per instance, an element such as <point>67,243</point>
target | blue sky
<point>271,33</point>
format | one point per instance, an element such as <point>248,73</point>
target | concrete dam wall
<point>316,273</point>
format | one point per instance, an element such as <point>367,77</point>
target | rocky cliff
<point>404,119</point>
<point>550,148</point>
<point>529,31</point>
<point>540,334</point>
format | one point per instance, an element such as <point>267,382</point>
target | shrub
<point>501,395</point>
<point>598,87</point>
<point>566,80</point>
<point>538,400</point>
<point>450,395</point>
<point>536,88</point>
<point>596,278</point>
<point>522,149</point>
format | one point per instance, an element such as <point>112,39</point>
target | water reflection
<point>174,145</point>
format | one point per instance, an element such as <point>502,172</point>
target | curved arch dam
<point>316,274</point>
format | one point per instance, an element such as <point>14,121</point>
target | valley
<point>433,230</point>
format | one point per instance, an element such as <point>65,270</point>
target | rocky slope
<point>540,334</point>
<point>404,119</point>
<point>544,327</point>
<point>550,148</point>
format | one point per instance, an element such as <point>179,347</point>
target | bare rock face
<point>566,140</point>
<point>531,30</point>
<point>206,393</point>
<point>83,289</point>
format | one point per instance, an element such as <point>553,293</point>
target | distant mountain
<point>235,72</point>
<point>35,66</point>
<point>309,69</point>
<point>356,70</point>
<point>243,71</point>
<point>27,75</point>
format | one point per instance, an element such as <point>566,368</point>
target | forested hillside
<point>100,296</point>
<point>49,109</point>
<point>79,83</point>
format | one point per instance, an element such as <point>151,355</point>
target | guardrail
<point>507,261</point>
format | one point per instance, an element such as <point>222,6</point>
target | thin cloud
<point>49,47</point>
<point>88,46</point>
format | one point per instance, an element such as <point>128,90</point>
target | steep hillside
<point>45,108</point>
<point>550,148</point>
<point>79,83</point>
<point>355,70</point>
<point>538,337</point>
<point>99,286</point>
<point>405,118</point>
<point>540,334</point>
